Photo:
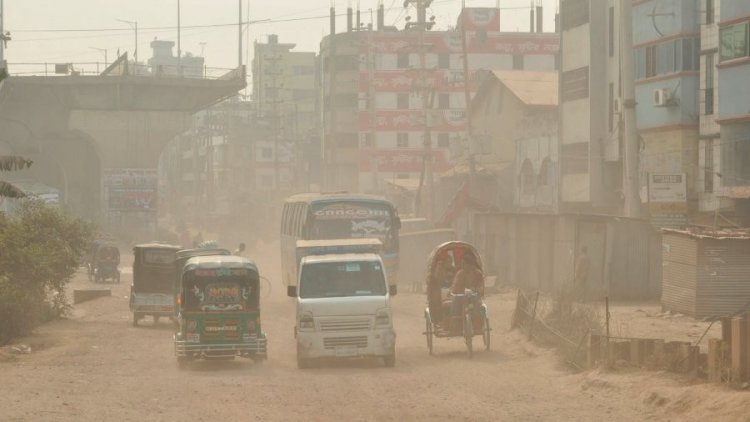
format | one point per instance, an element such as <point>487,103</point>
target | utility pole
<point>631,181</point>
<point>467,97</point>
<point>134,26</point>
<point>427,94</point>
<point>2,32</point>
<point>239,35</point>
<point>179,47</point>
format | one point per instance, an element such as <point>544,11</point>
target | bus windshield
<point>345,220</point>
<point>342,279</point>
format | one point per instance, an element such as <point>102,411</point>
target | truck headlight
<point>306,322</point>
<point>382,318</point>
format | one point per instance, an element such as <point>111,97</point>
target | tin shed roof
<point>531,87</point>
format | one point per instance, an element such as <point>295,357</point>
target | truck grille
<point>348,324</point>
<point>334,342</point>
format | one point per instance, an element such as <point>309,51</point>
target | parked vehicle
<point>105,263</point>
<point>218,309</point>
<point>154,272</point>
<point>454,315</point>
<point>343,308</point>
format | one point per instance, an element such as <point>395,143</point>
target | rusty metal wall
<point>415,249</point>
<point>723,276</point>
<point>632,250</point>
<point>679,255</point>
<point>538,252</point>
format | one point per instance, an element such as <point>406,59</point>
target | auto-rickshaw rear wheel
<point>136,317</point>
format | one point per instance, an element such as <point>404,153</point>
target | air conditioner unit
<point>662,97</point>
<point>617,106</point>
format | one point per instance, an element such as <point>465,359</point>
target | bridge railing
<point>122,68</point>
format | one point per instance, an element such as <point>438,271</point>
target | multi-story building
<point>165,63</point>
<point>284,92</point>
<point>590,151</point>
<point>666,48</point>
<point>378,82</point>
<point>732,158</point>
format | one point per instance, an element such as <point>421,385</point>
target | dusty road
<point>95,366</point>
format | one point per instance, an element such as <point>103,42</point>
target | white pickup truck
<point>343,308</point>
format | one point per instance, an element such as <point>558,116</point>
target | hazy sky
<point>24,18</point>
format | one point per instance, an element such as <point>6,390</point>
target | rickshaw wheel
<point>468,334</point>
<point>428,331</point>
<point>486,332</point>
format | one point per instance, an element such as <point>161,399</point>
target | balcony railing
<point>121,68</point>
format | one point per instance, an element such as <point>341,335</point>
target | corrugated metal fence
<point>538,252</point>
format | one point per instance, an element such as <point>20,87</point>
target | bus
<point>321,216</point>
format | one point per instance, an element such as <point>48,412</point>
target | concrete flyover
<point>76,126</point>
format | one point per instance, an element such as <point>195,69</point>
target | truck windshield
<point>342,279</point>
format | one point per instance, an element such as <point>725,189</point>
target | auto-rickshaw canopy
<point>153,267</point>
<point>215,282</point>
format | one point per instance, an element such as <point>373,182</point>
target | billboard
<point>667,199</point>
<point>131,189</point>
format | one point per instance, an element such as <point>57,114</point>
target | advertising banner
<point>413,120</point>
<point>399,160</point>
<point>667,199</point>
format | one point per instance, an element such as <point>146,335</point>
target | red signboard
<point>399,160</point>
<point>413,120</point>
<point>410,81</point>
<point>480,18</point>
<point>450,42</point>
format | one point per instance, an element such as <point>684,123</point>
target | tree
<point>40,250</point>
<point>12,163</point>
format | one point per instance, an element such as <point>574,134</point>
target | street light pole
<point>101,50</point>
<point>134,25</point>
<point>179,46</point>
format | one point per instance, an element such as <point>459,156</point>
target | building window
<point>518,62</point>
<point>611,114</point>
<point>266,153</point>
<point>680,55</point>
<point>708,93</point>
<point>444,61</point>
<point>443,140</point>
<point>575,84</point>
<point>574,13</point>
<point>444,101</point>
<point>650,61</point>
<point>709,12</point>
<point>708,166</point>
<point>734,41</point>
<point>611,32</point>
<point>402,140</point>
<point>402,101</point>
<point>367,140</point>
<point>402,60</point>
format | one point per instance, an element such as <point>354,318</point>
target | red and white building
<point>373,80</point>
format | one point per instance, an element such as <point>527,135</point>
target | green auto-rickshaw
<point>219,310</point>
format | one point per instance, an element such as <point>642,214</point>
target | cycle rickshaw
<point>454,315</point>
